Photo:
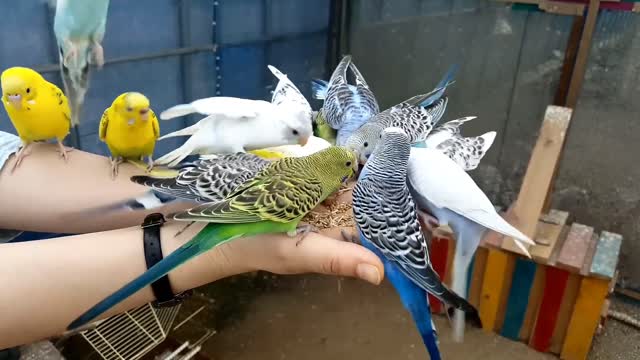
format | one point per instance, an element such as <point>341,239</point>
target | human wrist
<point>213,265</point>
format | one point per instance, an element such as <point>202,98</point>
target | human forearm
<point>42,295</point>
<point>47,194</point>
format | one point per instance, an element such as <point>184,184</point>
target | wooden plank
<point>564,315</point>
<point>537,179</point>
<point>439,254</point>
<point>518,299</point>
<point>562,8</point>
<point>495,287</point>
<point>606,255</point>
<point>451,251</point>
<point>573,252</point>
<point>588,259</point>
<point>535,298</point>
<point>547,235</point>
<point>584,319</point>
<point>474,293</point>
<point>554,287</point>
<point>583,54</point>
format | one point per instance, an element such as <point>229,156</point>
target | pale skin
<point>48,283</point>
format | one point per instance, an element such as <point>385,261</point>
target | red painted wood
<point>438,256</point>
<point>606,5</point>
<point>554,287</point>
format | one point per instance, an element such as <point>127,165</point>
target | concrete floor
<point>317,317</point>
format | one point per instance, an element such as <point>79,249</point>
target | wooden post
<point>537,179</point>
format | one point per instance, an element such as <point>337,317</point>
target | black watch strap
<point>152,255</point>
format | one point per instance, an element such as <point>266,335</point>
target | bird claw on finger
<point>115,163</point>
<point>348,237</point>
<point>24,152</point>
<point>150,165</point>
<point>304,230</point>
<point>63,151</point>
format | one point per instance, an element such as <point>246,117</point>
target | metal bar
<point>177,351</point>
<point>184,26</point>
<point>188,318</point>
<point>161,54</point>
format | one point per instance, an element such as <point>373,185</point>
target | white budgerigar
<point>236,125</point>
<point>442,187</point>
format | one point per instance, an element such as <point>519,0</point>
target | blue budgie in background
<point>387,224</point>
<point>346,107</point>
<point>79,26</point>
<point>441,186</point>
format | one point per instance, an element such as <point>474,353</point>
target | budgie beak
<point>15,100</point>
<point>144,114</point>
<point>130,122</point>
<point>303,141</point>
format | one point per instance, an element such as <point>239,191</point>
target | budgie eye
<point>295,132</point>
<point>129,109</point>
<point>365,144</point>
<point>28,90</point>
<point>348,163</point>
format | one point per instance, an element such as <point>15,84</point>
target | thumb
<point>325,255</point>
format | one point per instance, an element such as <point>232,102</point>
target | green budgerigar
<point>274,201</point>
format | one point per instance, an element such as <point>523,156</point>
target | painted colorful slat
<point>478,267</point>
<point>438,255</point>
<point>540,171</point>
<point>605,259</point>
<point>535,297</point>
<point>564,315</point>
<point>495,288</point>
<point>451,251</point>
<point>575,247</point>
<point>554,287</point>
<point>585,318</point>
<point>518,300</point>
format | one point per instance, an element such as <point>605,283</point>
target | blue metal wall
<point>164,49</point>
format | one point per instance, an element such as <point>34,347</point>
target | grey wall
<point>510,64</point>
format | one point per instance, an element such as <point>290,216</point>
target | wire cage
<point>132,334</point>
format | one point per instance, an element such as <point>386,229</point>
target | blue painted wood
<point>518,298</point>
<point>605,258</point>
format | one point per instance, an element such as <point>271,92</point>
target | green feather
<point>323,130</point>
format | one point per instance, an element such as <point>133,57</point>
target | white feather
<point>218,105</point>
<point>440,180</point>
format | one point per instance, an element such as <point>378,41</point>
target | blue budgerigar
<point>387,224</point>
<point>441,187</point>
<point>416,116</point>
<point>346,107</point>
<point>79,26</point>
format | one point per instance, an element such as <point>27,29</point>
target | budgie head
<point>19,86</point>
<point>393,150</point>
<point>364,140</point>
<point>297,125</point>
<point>333,166</point>
<point>134,107</point>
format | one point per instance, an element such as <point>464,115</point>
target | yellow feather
<point>268,154</point>
<point>38,109</point>
<point>126,131</point>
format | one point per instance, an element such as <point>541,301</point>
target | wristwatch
<point>153,254</point>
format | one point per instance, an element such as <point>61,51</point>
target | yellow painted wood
<point>584,319</point>
<point>495,288</point>
<point>477,275</point>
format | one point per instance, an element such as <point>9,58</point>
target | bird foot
<point>429,221</point>
<point>98,55</point>
<point>303,230</point>
<point>115,163</point>
<point>348,237</point>
<point>150,164</point>
<point>23,153</point>
<point>70,53</point>
<point>63,151</point>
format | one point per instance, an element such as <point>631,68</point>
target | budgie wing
<point>61,102</point>
<point>455,190</point>
<point>229,107</point>
<point>407,248</point>
<point>207,180</point>
<point>104,125</point>
<point>286,91</point>
<point>155,124</point>
<point>271,196</point>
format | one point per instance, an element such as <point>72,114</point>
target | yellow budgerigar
<point>130,130</point>
<point>37,108</point>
